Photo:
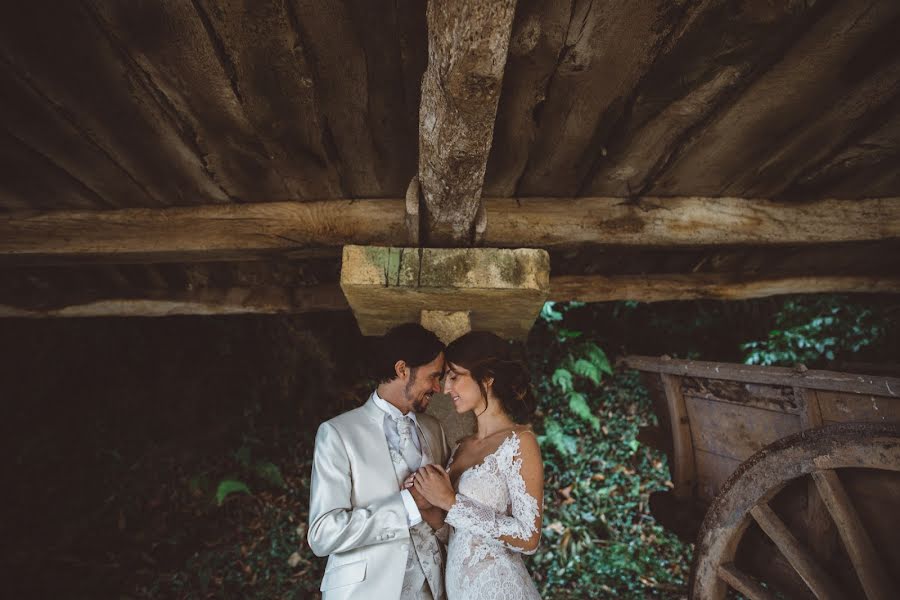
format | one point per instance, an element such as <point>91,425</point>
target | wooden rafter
<point>468,42</point>
<point>250,231</point>
<point>273,298</point>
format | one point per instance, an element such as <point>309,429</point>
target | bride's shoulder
<point>523,441</point>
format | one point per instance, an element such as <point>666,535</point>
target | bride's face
<point>463,390</point>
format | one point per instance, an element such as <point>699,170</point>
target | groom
<point>380,541</point>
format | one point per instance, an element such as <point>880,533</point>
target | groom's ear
<point>401,369</point>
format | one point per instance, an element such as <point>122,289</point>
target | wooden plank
<point>609,47</point>
<point>712,471</point>
<point>815,379</point>
<point>868,164</point>
<point>744,583</point>
<point>699,73</point>
<point>806,566</point>
<point>155,302</point>
<point>27,176</point>
<point>44,130</point>
<point>366,57</point>
<point>713,286</point>
<point>844,408</point>
<point>866,561</point>
<point>467,46</point>
<point>90,81</point>
<point>729,155</point>
<point>538,37</point>
<point>734,430</point>
<point>683,471</point>
<point>769,397</point>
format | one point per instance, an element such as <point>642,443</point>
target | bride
<point>492,489</point>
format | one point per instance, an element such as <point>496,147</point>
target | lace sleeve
<point>518,531</point>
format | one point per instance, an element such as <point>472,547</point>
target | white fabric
<point>356,516</point>
<point>399,446</point>
<point>491,502</point>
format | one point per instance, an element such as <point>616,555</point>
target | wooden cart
<point>797,472</point>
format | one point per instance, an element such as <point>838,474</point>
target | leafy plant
<point>815,329</point>
<point>230,486</point>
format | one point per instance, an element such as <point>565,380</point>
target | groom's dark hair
<point>410,343</point>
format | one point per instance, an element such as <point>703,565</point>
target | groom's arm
<point>335,525</point>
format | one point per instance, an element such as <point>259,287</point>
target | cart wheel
<point>813,515</point>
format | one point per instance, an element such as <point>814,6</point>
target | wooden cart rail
<point>720,414</point>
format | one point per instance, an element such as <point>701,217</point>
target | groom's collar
<point>391,410</point>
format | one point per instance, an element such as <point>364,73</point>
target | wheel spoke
<point>744,583</point>
<point>803,562</point>
<point>866,561</point>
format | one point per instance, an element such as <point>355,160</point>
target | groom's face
<point>422,383</point>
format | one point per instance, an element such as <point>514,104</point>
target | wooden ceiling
<point>650,105</point>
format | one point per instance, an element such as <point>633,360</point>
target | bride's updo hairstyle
<point>486,355</point>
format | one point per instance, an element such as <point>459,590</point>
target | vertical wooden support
<point>821,535</point>
<point>865,559</point>
<point>684,470</point>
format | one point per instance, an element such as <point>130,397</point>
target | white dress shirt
<point>413,516</point>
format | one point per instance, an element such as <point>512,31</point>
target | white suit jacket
<point>356,514</point>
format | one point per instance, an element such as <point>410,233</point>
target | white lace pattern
<point>491,503</point>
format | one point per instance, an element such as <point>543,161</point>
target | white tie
<point>406,429</point>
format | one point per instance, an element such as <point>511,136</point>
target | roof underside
<point>124,104</point>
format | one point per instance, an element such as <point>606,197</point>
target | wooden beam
<point>687,221</point>
<point>164,303</point>
<point>468,42</point>
<point>716,286</point>
<point>211,232</point>
<point>258,230</point>
<point>585,288</point>
<point>813,379</point>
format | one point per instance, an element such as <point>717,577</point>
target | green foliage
<point>598,539</point>
<point>810,330</point>
<point>229,486</point>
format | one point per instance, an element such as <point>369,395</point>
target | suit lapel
<point>381,451</point>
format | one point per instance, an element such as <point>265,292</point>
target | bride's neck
<point>488,424</point>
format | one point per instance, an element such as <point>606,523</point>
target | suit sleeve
<point>335,525</point>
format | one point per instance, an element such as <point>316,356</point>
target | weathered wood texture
<point>734,410</point>
<point>541,223</point>
<point>867,451</point>
<point>164,303</point>
<point>176,103</point>
<point>125,104</point>
<point>467,47</point>
<point>718,286</point>
<point>814,379</point>
<point>683,471</point>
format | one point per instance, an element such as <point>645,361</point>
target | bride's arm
<point>523,470</point>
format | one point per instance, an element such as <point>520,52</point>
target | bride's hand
<point>433,483</point>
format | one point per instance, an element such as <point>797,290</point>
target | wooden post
<point>683,471</point>
<point>468,42</point>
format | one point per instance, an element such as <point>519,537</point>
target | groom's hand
<point>421,502</point>
<point>433,483</point>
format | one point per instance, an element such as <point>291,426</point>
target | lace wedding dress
<point>491,502</point>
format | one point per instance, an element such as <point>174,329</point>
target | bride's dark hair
<point>486,355</point>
